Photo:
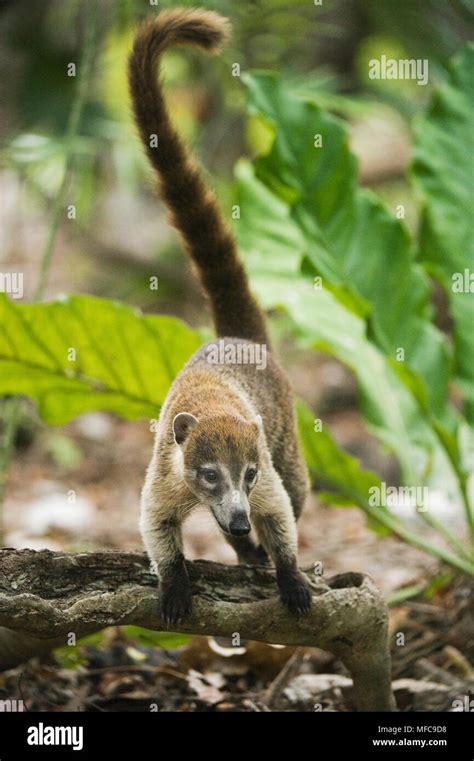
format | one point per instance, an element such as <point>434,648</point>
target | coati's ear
<point>183,423</point>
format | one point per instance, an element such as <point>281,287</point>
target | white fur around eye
<point>208,484</point>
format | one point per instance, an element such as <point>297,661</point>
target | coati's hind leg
<point>276,527</point>
<point>247,551</point>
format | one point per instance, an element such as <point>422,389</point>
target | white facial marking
<point>235,499</point>
<point>178,461</point>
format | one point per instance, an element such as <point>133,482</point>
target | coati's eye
<point>250,475</point>
<point>210,476</point>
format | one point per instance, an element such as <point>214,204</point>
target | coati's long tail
<point>194,208</point>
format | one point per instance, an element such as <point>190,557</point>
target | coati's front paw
<point>295,591</point>
<point>175,602</point>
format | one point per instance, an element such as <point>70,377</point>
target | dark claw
<point>175,604</point>
<point>295,592</point>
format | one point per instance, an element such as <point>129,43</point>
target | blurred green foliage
<point>443,170</point>
<point>150,638</point>
<point>320,50</point>
<point>73,656</point>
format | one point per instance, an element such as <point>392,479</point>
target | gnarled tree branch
<point>46,595</point>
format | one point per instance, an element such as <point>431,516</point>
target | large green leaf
<point>273,245</point>
<point>443,168</point>
<point>349,237</point>
<point>302,215</point>
<point>81,353</point>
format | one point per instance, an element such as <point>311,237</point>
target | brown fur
<point>226,419</point>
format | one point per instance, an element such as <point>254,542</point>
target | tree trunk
<point>46,596</point>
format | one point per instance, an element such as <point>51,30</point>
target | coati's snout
<point>239,525</point>
<point>220,465</point>
<point>232,513</point>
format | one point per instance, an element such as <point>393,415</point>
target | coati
<point>226,435</point>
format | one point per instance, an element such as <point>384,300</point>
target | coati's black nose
<point>239,526</point>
